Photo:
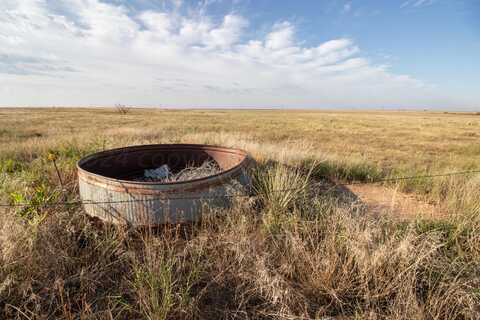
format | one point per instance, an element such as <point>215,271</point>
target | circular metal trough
<point>109,191</point>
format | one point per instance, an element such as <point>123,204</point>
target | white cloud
<point>229,32</point>
<point>159,23</point>
<point>347,7</point>
<point>96,53</point>
<point>281,36</point>
<point>417,3</point>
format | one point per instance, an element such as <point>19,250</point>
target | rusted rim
<point>109,182</point>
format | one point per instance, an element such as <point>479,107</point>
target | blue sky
<point>241,53</point>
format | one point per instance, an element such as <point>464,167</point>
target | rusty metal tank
<point>109,191</point>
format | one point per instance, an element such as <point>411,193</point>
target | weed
<point>10,166</point>
<point>32,205</point>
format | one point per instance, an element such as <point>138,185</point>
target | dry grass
<point>293,255</point>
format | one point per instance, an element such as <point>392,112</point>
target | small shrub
<point>122,109</point>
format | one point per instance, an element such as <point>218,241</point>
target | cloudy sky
<point>241,53</point>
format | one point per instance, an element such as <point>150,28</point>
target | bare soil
<point>385,200</point>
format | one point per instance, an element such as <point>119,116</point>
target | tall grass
<point>280,187</point>
<point>297,255</point>
<point>457,195</point>
<point>163,278</point>
<point>288,255</point>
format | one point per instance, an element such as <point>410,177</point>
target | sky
<point>406,54</point>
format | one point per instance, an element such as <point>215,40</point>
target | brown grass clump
<point>301,254</point>
<point>334,262</point>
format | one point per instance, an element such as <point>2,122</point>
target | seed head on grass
<point>52,156</point>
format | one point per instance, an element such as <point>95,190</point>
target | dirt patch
<point>384,200</point>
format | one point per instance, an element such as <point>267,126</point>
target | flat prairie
<point>398,249</point>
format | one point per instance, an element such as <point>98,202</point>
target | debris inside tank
<point>160,173</point>
<point>164,174</point>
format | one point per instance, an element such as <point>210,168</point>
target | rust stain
<point>107,176</point>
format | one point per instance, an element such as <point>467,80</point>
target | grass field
<point>291,256</point>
